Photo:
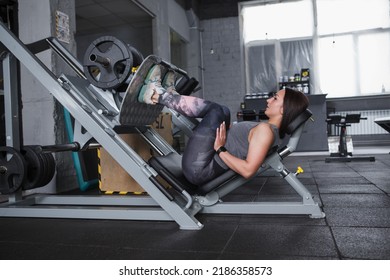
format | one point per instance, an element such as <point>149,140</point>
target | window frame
<point>315,83</point>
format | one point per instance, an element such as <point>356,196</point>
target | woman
<point>214,146</point>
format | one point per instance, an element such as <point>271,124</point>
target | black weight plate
<point>45,171</point>
<point>50,168</point>
<point>137,56</point>
<point>118,59</point>
<point>39,153</point>
<point>35,168</point>
<point>12,170</point>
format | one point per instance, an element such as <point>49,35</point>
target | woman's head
<point>294,103</point>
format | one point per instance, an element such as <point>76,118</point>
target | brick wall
<point>223,81</point>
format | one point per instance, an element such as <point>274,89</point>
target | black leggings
<point>198,162</point>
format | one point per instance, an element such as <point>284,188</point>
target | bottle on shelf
<point>300,82</point>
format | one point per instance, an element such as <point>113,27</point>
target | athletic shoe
<point>169,81</point>
<point>152,85</point>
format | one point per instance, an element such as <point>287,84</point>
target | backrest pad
<point>298,121</point>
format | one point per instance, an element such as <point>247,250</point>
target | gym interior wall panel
<point>211,9</point>
<point>368,102</point>
<point>222,62</point>
<point>42,115</point>
<point>38,104</point>
<point>34,20</point>
<point>2,120</point>
<point>194,57</point>
<point>177,20</point>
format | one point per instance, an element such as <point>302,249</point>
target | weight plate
<point>45,172</point>
<point>35,168</point>
<point>12,170</point>
<point>137,56</point>
<point>50,168</point>
<point>107,62</point>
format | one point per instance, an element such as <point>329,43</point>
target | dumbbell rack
<point>72,93</point>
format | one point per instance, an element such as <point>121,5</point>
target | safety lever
<point>299,171</point>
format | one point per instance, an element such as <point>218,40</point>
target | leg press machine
<point>99,118</point>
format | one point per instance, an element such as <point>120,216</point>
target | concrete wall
<point>42,115</point>
<point>37,102</point>
<point>222,62</point>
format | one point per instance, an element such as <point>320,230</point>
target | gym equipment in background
<point>342,122</point>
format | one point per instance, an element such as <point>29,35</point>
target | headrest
<point>302,118</point>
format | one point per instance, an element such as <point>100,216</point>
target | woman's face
<point>275,104</point>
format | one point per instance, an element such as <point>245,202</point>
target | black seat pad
<point>170,166</point>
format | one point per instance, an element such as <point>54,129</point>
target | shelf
<point>295,82</point>
<point>295,85</point>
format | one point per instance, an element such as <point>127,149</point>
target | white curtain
<point>268,64</point>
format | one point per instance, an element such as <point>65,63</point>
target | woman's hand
<point>220,136</point>
<point>260,140</point>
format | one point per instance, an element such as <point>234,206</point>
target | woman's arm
<point>260,140</point>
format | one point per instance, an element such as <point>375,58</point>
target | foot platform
<point>132,112</point>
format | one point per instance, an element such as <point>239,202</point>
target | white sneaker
<point>169,81</point>
<point>152,85</point>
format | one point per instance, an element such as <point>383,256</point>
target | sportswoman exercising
<point>215,146</point>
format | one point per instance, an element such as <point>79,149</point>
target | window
<point>267,22</point>
<point>349,47</point>
<point>261,70</point>
<point>343,16</point>
<point>337,72</point>
<point>374,68</point>
<point>264,33</point>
